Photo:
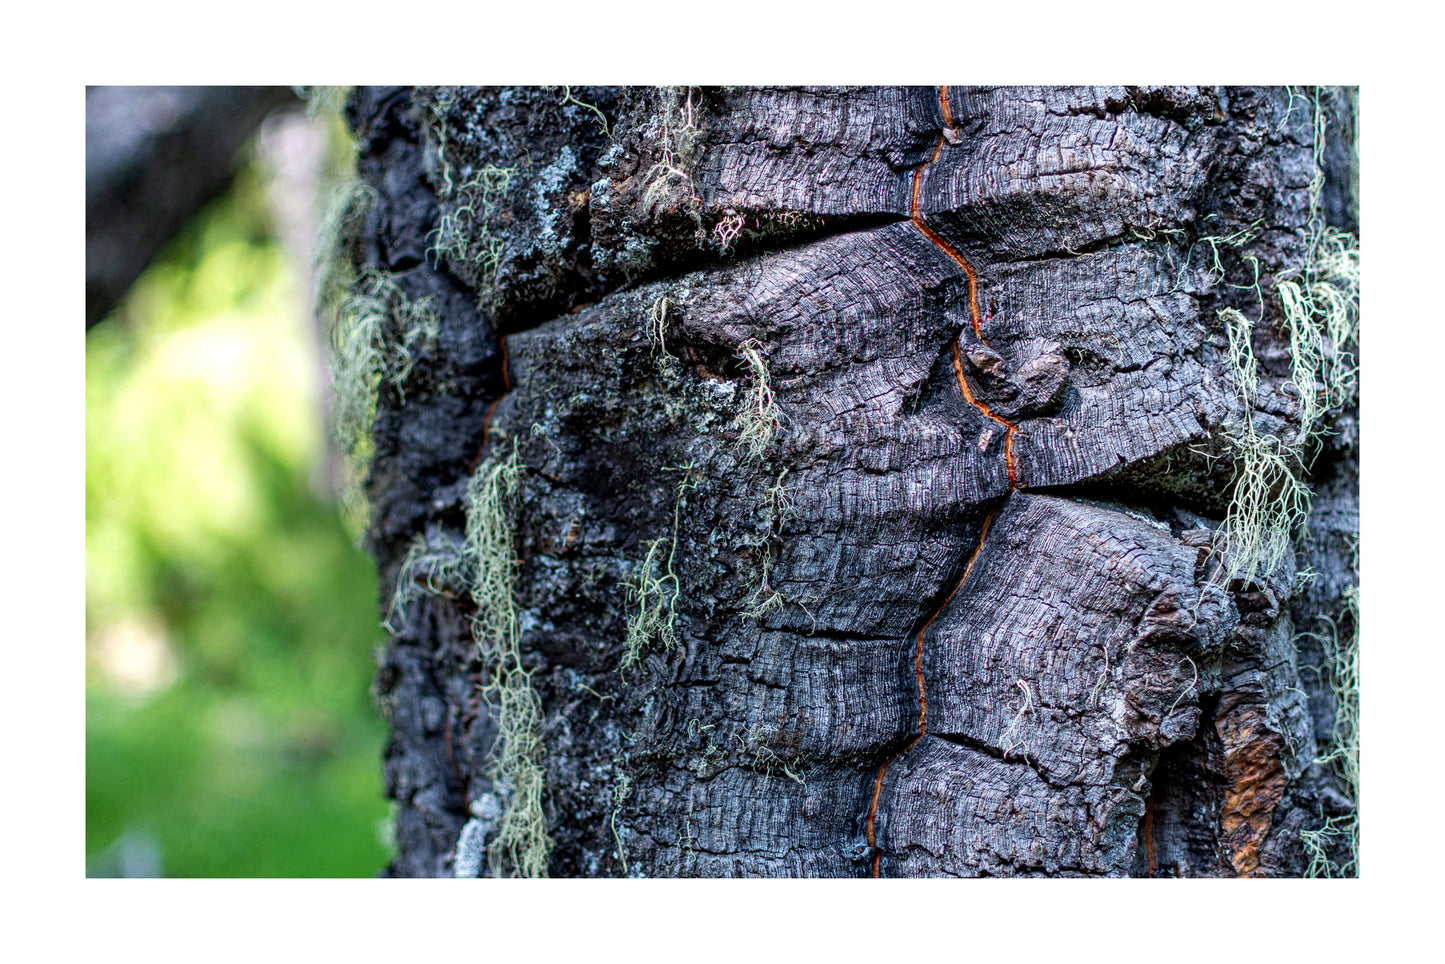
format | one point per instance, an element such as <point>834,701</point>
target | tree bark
<point>873,450</point>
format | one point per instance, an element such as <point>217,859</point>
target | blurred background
<point>230,617</point>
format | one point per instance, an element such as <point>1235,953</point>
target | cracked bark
<point>962,616</point>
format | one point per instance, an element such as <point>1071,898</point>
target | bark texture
<point>903,410</point>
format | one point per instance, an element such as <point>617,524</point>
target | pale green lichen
<point>776,507</point>
<point>436,566</point>
<point>323,101</point>
<point>1215,272</point>
<point>657,324</point>
<point>620,793</point>
<point>485,563</point>
<point>765,760</point>
<point>1317,846</point>
<point>1344,681</point>
<point>1342,755</point>
<point>1321,316</point>
<point>522,845</point>
<point>1319,302</point>
<point>757,422</point>
<point>436,131</point>
<point>377,333</point>
<point>1343,667</point>
<point>654,591</point>
<point>678,138</point>
<point>655,588</point>
<point>463,235</point>
<point>1012,740</point>
<point>569,98</point>
<point>343,213</point>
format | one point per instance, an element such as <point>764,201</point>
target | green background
<point>230,619</point>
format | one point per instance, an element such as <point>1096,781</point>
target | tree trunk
<point>850,482</point>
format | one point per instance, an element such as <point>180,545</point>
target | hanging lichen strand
<point>1270,503</point>
<point>1319,299</point>
<point>521,845</point>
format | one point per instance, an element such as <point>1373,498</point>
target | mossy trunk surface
<point>873,447</point>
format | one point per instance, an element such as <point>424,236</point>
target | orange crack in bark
<point>1149,832</point>
<point>487,422</point>
<point>916,216</point>
<point>922,693</point>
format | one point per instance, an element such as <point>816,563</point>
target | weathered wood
<point>960,610</point>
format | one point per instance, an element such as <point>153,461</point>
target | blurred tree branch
<point>153,157</point>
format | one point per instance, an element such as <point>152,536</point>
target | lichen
<point>522,845</point>
<point>657,324</point>
<point>1342,668</point>
<point>377,333</point>
<point>655,588</point>
<point>463,234</point>
<point>434,564</point>
<point>757,423</point>
<point>678,138</point>
<point>1319,302</point>
<point>344,211</point>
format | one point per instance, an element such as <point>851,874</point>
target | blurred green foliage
<point>230,619</point>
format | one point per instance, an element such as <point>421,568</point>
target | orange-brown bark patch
<point>1254,765</point>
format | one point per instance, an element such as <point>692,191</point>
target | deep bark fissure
<point>922,692</point>
<point>916,217</point>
